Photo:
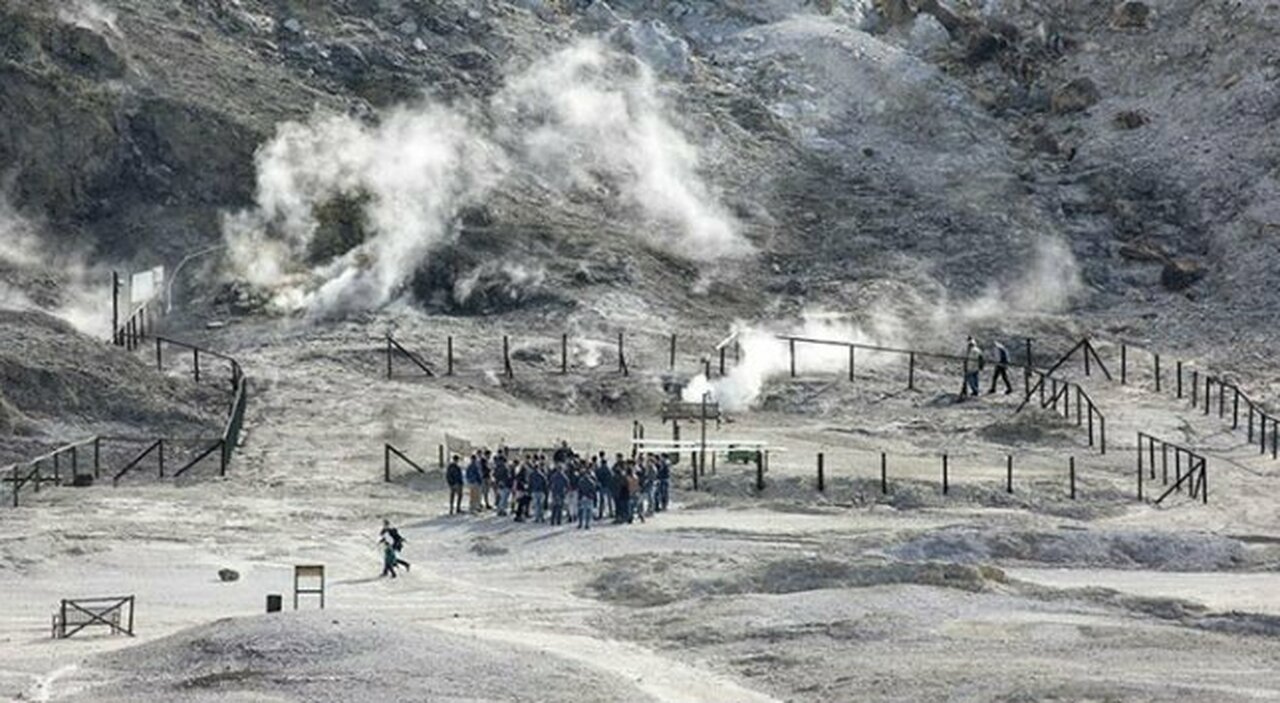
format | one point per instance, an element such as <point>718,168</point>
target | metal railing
<point>1057,394</point>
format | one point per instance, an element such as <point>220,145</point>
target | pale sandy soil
<point>729,597</point>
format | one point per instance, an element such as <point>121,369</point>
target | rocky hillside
<point>952,162</point>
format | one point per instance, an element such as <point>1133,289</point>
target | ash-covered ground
<point>896,172</point>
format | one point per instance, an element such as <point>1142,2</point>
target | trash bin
<point>275,602</point>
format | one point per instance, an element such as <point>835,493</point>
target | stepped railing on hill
<point>49,467</point>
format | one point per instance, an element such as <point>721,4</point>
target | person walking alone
<point>1002,370</point>
<point>390,536</point>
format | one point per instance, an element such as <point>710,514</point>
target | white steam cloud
<point>764,356</point>
<point>418,168</point>
<point>74,291</point>
<point>87,14</point>
<point>586,117</point>
<point>1051,280</point>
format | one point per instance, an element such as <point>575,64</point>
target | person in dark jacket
<point>604,488</point>
<point>502,479</point>
<point>522,490</point>
<point>538,489</point>
<point>453,477</point>
<point>587,490</point>
<point>663,492</point>
<point>621,495</point>
<point>558,482</point>
<point>1002,370</point>
<point>475,482</point>
<point>392,543</point>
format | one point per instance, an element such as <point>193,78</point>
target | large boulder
<point>1131,14</point>
<point>1075,96</point>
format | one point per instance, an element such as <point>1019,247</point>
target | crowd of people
<point>563,487</point>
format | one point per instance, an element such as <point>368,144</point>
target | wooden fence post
<point>449,356</point>
<point>440,451</point>
<point>911,371</point>
<point>1157,357</point>
<point>1139,466</point>
<point>564,354</point>
<point>1124,364</point>
<point>1179,366</point>
<point>506,356</point>
<point>1073,478</point>
<point>386,463</point>
<point>945,482</point>
<point>622,355</point>
<point>822,481</point>
<point>852,349</point>
<point>791,345</point>
<point>1008,478</point>
<point>722,353</point>
<point>159,356</point>
<point>673,351</point>
<point>884,474</point>
<point>760,470</point>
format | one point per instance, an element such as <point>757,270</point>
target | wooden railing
<point>1189,468</point>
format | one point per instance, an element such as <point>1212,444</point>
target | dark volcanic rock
<point>1076,96</point>
<point>1181,274</point>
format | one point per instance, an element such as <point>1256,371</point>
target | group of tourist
<point>562,487</point>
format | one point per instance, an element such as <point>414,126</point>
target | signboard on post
<point>144,286</point>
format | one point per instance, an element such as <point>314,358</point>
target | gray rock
<point>1131,15</point>
<point>1076,96</point>
<point>228,575</point>
<point>1181,274</point>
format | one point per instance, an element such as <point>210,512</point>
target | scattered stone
<point>228,575</point>
<point>1131,15</point>
<point>1076,96</point>
<point>1130,119</point>
<point>1144,252</point>
<point>1181,274</point>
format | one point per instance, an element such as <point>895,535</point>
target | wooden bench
<point>74,615</point>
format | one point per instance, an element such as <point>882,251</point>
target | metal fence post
<point>822,481</point>
<point>1157,358</point>
<point>564,354</point>
<point>1073,478</point>
<point>884,474</point>
<point>1124,364</point>
<point>945,482</point>
<point>911,371</point>
<point>449,356</point>
<point>386,463</point>
<point>673,351</point>
<point>792,350</point>
<point>1008,479</point>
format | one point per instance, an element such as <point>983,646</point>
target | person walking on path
<point>587,490</point>
<point>522,490</point>
<point>559,484</point>
<point>390,537</point>
<point>621,495</point>
<point>973,363</point>
<point>1002,370</point>
<point>453,477</point>
<point>475,481</point>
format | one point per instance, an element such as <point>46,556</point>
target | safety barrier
<point>1193,471</point>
